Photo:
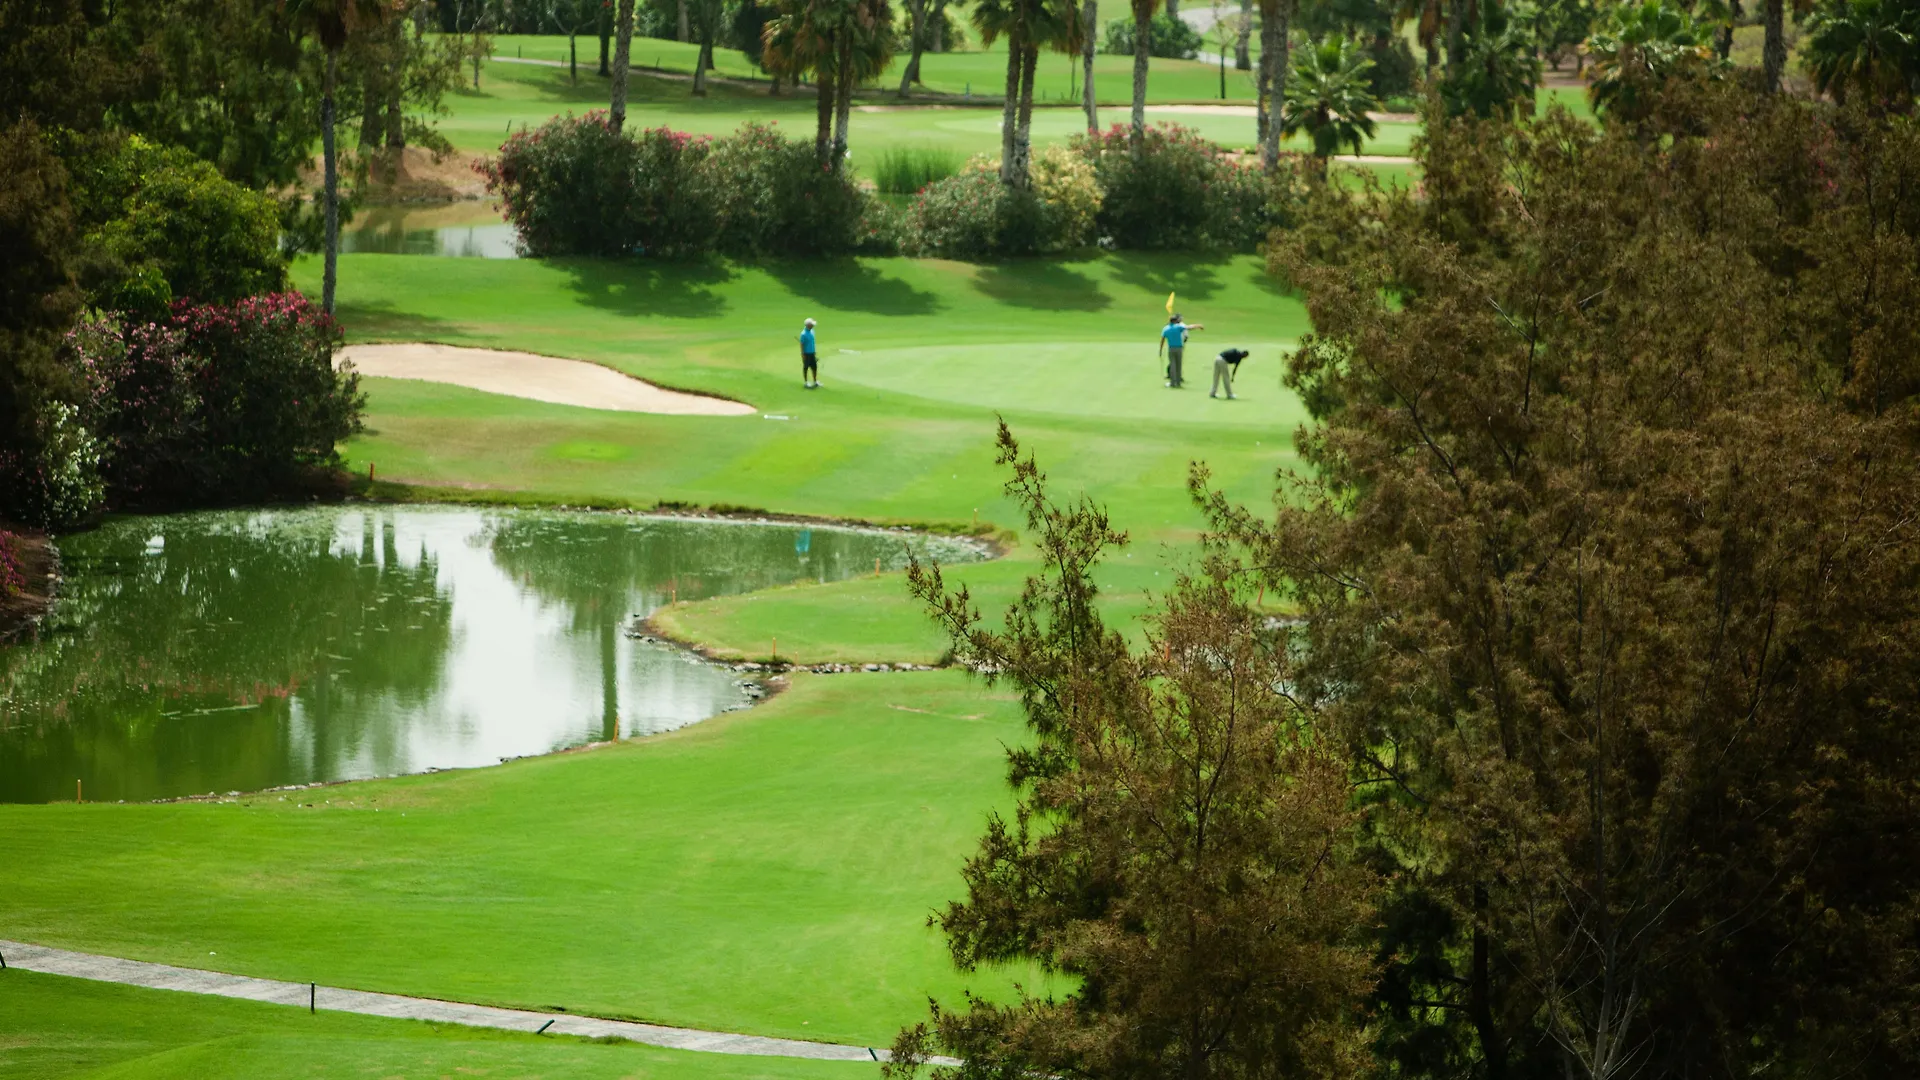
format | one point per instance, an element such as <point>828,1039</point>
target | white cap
<point>809,322</point>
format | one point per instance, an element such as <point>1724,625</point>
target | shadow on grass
<point>1042,284</point>
<point>847,284</point>
<point>1194,276</point>
<point>380,319</point>
<point>680,290</point>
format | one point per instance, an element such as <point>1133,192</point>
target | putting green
<point>53,1028</point>
<point>1107,379</point>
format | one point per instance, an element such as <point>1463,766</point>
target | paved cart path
<point>81,965</point>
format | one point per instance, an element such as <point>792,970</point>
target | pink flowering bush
<point>215,402</point>
<point>576,187</point>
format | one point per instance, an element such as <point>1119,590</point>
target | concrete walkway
<point>394,1006</point>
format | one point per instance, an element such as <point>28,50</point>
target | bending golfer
<point>809,358</point>
<point>1225,367</point>
<point>1173,340</point>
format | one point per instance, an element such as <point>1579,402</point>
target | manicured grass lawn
<point>768,871</point>
<point>515,95</point>
<point>52,1028</point>
<point>983,71</point>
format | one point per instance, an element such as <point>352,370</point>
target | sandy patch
<point>539,378</point>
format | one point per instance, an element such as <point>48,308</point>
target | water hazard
<point>469,229</point>
<point>240,650</point>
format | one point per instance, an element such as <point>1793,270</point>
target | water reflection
<point>464,230</point>
<point>249,649</point>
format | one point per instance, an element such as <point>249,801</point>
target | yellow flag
<point>1169,303</point>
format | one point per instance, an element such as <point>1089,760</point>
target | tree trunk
<point>329,274</point>
<point>622,50</point>
<point>1010,108</point>
<point>1773,55</point>
<point>1173,9</point>
<point>1142,35</point>
<point>573,59</point>
<point>1242,55</point>
<point>606,41</point>
<point>823,84</point>
<point>1457,18</point>
<point>370,119</point>
<point>686,34</point>
<point>1088,100</point>
<point>701,65</point>
<point>1023,137</point>
<point>1273,78</point>
<point>843,103</point>
<point>396,129</point>
<point>916,41</point>
<point>773,85</point>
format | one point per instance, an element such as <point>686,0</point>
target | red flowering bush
<point>574,186</point>
<point>13,580</point>
<point>215,402</point>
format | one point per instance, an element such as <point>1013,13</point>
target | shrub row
<point>574,186</point>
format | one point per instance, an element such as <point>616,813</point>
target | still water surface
<point>240,650</point>
<point>470,229</point>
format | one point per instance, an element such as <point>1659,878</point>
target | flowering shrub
<point>973,215</point>
<point>13,579</point>
<point>55,479</point>
<point>1066,185</point>
<point>216,401</point>
<point>575,186</point>
<point>1179,192</point>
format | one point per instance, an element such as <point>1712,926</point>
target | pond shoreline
<point>39,563</point>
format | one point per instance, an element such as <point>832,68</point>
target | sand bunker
<point>526,375</point>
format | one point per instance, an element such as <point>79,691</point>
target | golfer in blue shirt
<point>1173,339</point>
<point>809,358</point>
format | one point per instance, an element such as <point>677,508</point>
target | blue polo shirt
<point>806,340</point>
<point>1176,335</point>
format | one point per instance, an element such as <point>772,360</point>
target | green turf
<point>513,96</point>
<point>53,1028</point>
<point>768,871</point>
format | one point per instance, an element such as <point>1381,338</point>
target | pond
<point>470,229</point>
<point>241,650</point>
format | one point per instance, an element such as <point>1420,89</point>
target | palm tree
<point>1027,25</point>
<point>622,52</point>
<point>1271,79</point>
<point>332,21</point>
<point>995,19</point>
<point>1869,44</point>
<point>1641,44</point>
<point>1143,12</point>
<point>1773,53</point>
<point>864,39</point>
<point>800,40</point>
<point>1089,39</point>
<point>1498,71</point>
<point>1329,95</point>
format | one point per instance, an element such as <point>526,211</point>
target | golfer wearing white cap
<point>809,358</point>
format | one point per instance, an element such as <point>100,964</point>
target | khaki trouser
<point>1174,354</point>
<point>1222,373</point>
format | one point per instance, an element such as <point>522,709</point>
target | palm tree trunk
<point>686,34</point>
<point>916,43</point>
<point>605,29</point>
<point>622,50</point>
<point>1457,19</point>
<point>823,84</point>
<point>843,99</point>
<point>1273,79</point>
<point>1242,56</point>
<point>701,65</point>
<point>1010,108</point>
<point>1089,102</point>
<point>330,273</point>
<point>1142,36</point>
<point>1023,137</point>
<point>1773,55</point>
<point>369,113</point>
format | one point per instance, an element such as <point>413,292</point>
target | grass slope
<point>769,871</point>
<point>52,1028</point>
